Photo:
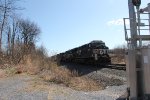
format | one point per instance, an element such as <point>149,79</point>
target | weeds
<point>37,63</point>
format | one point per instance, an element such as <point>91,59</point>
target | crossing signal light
<point>136,2</point>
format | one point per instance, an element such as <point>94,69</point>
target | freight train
<point>95,52</point>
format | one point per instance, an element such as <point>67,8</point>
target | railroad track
<point>117,66</point>
<point>77,66</point>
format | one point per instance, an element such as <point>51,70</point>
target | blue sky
<point>66,24</point>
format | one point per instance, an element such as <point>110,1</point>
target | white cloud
<point>117,22</point>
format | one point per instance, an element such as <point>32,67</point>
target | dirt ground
<point>29,87</point>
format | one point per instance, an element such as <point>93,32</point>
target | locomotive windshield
<point>97,44</point>
<point>97,41</point>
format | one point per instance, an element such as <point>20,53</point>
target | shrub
<point>118,54</point>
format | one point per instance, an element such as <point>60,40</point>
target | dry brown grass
<point>118,55</point>
<point>57,75</point>
<point>84,84</point>
<point>2,73</point>
<point>42,66</point>
<point>34,64</point>
<point>70,79</point>
<point>117,59</point>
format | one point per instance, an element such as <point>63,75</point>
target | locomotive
<point>95,52</point>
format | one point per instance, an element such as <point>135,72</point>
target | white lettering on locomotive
<point>100,51</point>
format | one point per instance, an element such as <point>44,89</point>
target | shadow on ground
<point>82,69</point>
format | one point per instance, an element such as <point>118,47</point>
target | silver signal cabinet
<point>146,70</point>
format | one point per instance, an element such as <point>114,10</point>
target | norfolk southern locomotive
<point>95,52</point>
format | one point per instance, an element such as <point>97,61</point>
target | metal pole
<point>132,53</point>
<point>149,15</point>
<point>133,25</point>
<point>138,20</point>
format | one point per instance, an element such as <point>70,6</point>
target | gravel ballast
<point>108,77</point>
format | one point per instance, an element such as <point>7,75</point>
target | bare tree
<point>15,32</point>
<point>8,41</point>
<point>19,35</point>
<point>29,32</point>
<point>7,7</point>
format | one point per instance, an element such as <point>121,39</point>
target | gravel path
<point>61,93</point>
<point>19,88</point>
<point>13,89</point>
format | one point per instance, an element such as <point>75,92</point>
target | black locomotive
<point>95,52</point>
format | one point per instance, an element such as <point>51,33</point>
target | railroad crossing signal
<point>138,56</point>
<point>136,2</point>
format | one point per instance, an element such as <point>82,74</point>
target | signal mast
<point>138,54</point>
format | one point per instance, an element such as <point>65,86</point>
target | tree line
<point>17,35</point>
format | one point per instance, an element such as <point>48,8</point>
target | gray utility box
<point>131,73</point>
<point>146,69</point>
